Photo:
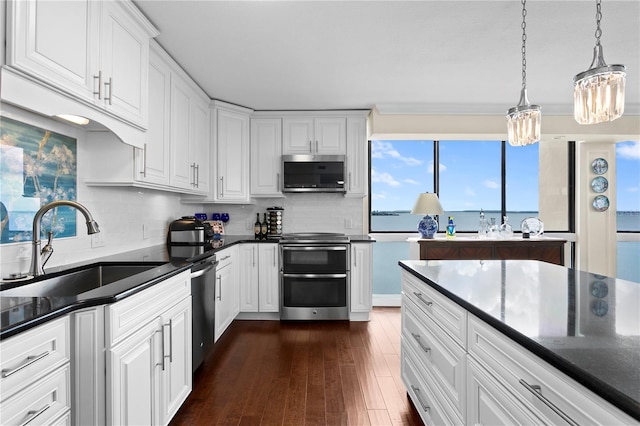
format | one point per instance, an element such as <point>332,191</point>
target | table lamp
<point>427,204</point>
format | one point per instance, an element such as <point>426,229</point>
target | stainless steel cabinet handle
<point>226,257</point>
<point>163,355</point>
<point>315,275</point>
<point>278,182</point>
<point>221,186</point>
<point>349,177</point>
<point>110,85</point>
<point>219,288</point>
<point>170,325</point>
<point>310,147</point>
<point>197,180</point>
<point>536,390</point>
<point>418,339</point>
<point>274,256</point>
<point>144,161</point>
<point>99,78</point>
<point>419,296</point>
<point>355,258</point>
<point>6,372</point>
<point>425,407</point>
<point>253,256</point>
<point>34,413</point>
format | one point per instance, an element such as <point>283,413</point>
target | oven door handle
<point>314,248</point>
<point>314,275</point>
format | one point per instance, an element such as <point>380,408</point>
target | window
<point>628,209</point>
<point>470,175</point>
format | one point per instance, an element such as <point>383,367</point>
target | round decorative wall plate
<point>599,184</point>
<point>599,166</point>
<point>599,289</point>
<point>601,203</point>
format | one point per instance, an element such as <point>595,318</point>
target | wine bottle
<point>264,227</point>
<point>257,227</point>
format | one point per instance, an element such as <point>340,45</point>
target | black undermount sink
<point>77,280</point>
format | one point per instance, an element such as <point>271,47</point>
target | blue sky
<point>470,175</point>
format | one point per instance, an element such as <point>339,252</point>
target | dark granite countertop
<point>21,312</point>
<point>586,325</point>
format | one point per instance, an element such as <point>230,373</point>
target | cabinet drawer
<point>224,257</point>
<point>445,313</point>
<point>437,352</point>
<point>538,384</point>
<point>489,403</point>
<point>427,400</point>
<point>130,314</point>
<point>33,354</point>
<point>42,403</point>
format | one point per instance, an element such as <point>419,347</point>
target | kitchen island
<point>520,341</point>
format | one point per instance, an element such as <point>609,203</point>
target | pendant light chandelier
<point>598,94</point>
<point>523,120</point>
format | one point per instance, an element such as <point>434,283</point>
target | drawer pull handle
<point>536,391</point>
<point>419,296</point>
<point>30,360</point>
<point>33,414</point>
<point>425,407</point>
<point>424,348</point>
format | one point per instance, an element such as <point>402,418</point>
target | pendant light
<point>598,93</point>
<point>523,121</point>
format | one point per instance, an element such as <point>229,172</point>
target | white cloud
<point>442,167</point>
<point>383,178</point>
<point>470,192</point>
<point>382,149</point>
<point>411,181</point>
<point>633,189</point>
<point>491,184</point>
<point>378,196</point>
<point>629,150</point>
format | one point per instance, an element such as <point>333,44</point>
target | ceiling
<point>401,56</point>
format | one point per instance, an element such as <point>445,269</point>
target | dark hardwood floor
<point>303,373</point>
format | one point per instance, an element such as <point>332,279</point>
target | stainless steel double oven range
<point>314,276</point>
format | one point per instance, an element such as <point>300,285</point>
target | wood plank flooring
<point>303,373</point>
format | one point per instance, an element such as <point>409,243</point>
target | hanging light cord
<point>598,19</point>
<point>524,44</point>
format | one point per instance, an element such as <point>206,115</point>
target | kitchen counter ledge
<point>583,324</point>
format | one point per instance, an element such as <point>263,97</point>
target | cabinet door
<point>297,136</point>
<point>248,277</point>
<point>124,61</point>
<point>55,41</point>
<point>134,367</point>
<point>357,160</point>
<point>232,144</point>
<point>225,304</point>
<point>266,149</point>
<point>152,162</point>
<point>181,166</point>
<point>269,293</point>
<point>201,145</point>
<point>177,374</point>
<point>330,135</point>
<point>361,283</point>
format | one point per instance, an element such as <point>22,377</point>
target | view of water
<point>386,276</point>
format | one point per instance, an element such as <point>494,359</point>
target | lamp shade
<point>427,203</point>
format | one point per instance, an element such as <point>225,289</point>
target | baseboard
<point>386,299</point>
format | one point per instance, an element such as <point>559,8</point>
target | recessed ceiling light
<point>74,119</point>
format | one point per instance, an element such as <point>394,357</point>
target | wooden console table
<point>460,248</point>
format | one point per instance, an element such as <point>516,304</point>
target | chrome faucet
<point>36,252</point>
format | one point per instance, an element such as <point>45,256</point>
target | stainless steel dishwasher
<point>203,288</point>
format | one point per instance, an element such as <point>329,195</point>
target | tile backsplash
<point>131,218</point>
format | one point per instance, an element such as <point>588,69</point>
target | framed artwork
<point>37,166</point>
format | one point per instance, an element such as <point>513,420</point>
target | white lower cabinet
<point>361,279</point>
<point>148,362</point>
<point>227,299</point>
<point>259,286</point>
<point>35,384</point>
<point>459,369</point>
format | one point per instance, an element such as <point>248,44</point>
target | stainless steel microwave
<point>313,173</point>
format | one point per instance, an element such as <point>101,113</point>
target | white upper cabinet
<point>357,157</point>
<point>231,153</point>
<point>266,151</point>
<point>314,135</point>
<point>93,51</point>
